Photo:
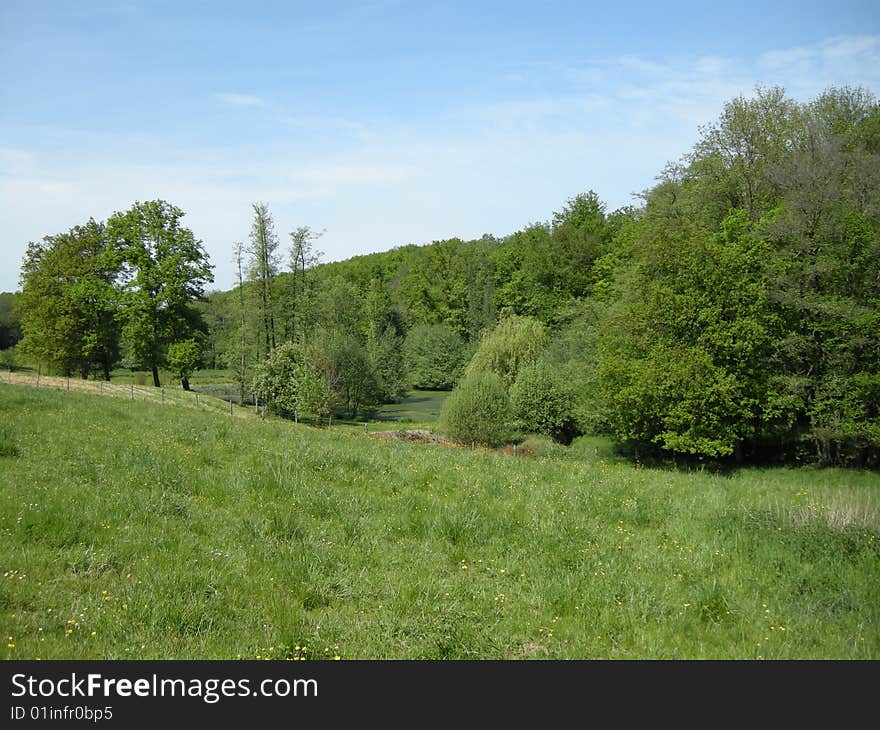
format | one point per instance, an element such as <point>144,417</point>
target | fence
<point>149,394</point>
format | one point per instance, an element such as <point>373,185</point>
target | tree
<point>515,342</point>
<point>478,409</point>
<point>10,321</point>
<point>355,382</point>
<point>385,353</point>
<point>240,362</point>
<point>263,268</point>
<point>317,385</point>
<point>827,238</point>
<point>684,361</point>
<point>435,356</point>
<point>184,358</point>
<point>164,269</point>
<point>736,152</point>
<point>9,358</point>
<point>384,342</point>
<point>300,300</point>
<point>68,302</point>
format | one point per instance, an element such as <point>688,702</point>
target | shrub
<point>542,403</point>
<point>277,380</point>
<point>478,409</point>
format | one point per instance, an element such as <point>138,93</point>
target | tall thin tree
<point>303,257</point>
<point>238,256</point>
<point>263,269</point>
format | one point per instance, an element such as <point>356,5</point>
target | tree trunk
<point>156,382</point>
<point>185,383</point>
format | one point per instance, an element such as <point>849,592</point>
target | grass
<point>419,406</point>
<point>132,531</point>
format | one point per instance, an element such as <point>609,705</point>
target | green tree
<point>513,343</point>
<point>735,153</point>
<point>354,381</point>
<point>435,356</point>
<point>68,302</point>
<point>826,234</point>
<point>263,268</point>
<point>299,285</point>
<point>184,358</point>
<point>684,362</point>
<point>10,321</point>
<point>384,342</point>
<point>239,363</point>
<point>164,270</point>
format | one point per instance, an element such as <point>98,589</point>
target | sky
<point>380,123</point>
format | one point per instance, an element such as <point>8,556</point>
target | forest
<point>733,315</point>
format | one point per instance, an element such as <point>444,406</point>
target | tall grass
<point>135,531</point>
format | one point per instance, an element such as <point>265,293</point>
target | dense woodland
<point>734,314</point>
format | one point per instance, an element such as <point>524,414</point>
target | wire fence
<point>141,393</point>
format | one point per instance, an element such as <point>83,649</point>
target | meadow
<point>131,530</point>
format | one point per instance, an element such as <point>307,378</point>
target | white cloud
<point>609,125</point>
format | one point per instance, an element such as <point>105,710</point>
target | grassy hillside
<point>129,530</point>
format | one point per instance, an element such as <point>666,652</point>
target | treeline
<point>736,314</point>
<point>733,314</point>
<point>120,291</point>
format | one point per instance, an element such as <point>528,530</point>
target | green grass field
<point>133,530</point>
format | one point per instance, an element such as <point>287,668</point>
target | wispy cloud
<point>547,133</point>
<point>239,99</point>
<point>841,60</point>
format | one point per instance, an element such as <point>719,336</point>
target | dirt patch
<point>415,435</point>
<point>533,648</point>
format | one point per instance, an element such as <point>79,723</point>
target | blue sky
<point>385,123</point>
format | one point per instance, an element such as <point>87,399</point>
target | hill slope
<point>133,531</point>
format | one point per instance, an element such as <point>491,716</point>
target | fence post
<point>102,388</point>
<point>131,390</point>
<point>68,383</point>
<point>39,367</point>
<point>230,406</point>
<point>163,395</point>
<point>197,401</point>
<point>365,428</point>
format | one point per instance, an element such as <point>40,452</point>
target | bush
<point>542,403</point>
<point>277,379</point>
<point>478,409</point>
